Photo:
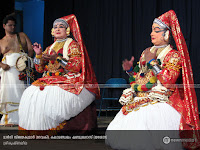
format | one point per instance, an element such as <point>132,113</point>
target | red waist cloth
<point>73,85</point>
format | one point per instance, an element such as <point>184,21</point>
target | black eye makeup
<point>157,29</point>
<point>59,26</point>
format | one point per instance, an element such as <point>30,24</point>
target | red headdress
<point>88,78</point>
<point>191,115</point>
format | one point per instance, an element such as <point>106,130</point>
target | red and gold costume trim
<point>88,76</point>
<point>136,105</point>
<point>183,99</point>
<point>168,77</point>
<point>50,132</point>
<point>170,73</point>
<point>78,63</point>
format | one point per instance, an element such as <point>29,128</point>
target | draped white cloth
<point>11,90</point>
<point>145,128</point>
<point>46,109</point>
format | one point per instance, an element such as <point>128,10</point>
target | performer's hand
<point>126,65</point>
<point>37,48</point>
<point>53,56</point>
<point>148,55</point>
<point>5,67</point>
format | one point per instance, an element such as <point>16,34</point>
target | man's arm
<point>2,65</point>
<point>0,56</point>
<point>29,45</point>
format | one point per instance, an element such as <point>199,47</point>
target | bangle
<point>151,60</point>
<point>38,56</point>
<point>154,62</point>
<point>61,61</point>
<point>37,61</point>
<point>130,70</point>
<point>156,69</point>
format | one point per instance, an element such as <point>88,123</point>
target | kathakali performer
<point>63,98</point>
<point>155,100</point>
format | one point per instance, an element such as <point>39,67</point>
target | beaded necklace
<point>143,87</point>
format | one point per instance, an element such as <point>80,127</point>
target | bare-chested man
<point>11,87</point>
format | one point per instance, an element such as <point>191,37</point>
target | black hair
<point>171,40</point>
<point>9,17</point>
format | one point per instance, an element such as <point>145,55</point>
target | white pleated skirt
<point>146,128</point>
<point>46,109</point>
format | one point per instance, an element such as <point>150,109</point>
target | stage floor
<point>102,122</point>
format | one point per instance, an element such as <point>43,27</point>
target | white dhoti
<point>11,90</point>
<point>46,109</point>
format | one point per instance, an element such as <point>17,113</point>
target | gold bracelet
<point>154,62</point>
<point>38,56</point>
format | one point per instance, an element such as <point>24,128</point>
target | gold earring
<point>68,31</point>
<point>52,31</point>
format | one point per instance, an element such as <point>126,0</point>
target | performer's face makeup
<point>60,31</point>
<point>157,37</point>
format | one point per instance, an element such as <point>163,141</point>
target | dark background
<point>117,29</point>
<point>5,9</point>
